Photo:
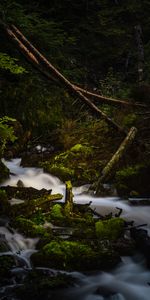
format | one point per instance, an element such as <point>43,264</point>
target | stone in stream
<point>142,241</point>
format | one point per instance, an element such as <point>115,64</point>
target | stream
<point>129,281</point>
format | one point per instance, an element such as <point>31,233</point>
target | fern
<point>9,63</point>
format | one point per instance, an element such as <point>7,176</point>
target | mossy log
<point>24,193</point>
<point>29,207</point>
<point>112,165</point>
<point>68,199</point>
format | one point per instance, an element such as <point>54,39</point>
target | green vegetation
<point>95,45</point>
<point>133,180</point>
<point>85,44</point>
<point>56,212</point>
<point>9,63</point>
<point>110,229</point>
<point>74,164</point>
<point>6,133</point>
<point>72,255</point>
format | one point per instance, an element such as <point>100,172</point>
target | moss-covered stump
<point>4,172</point>
<point>71,255</point>
<point>76,164</point>
<point>133,181</point>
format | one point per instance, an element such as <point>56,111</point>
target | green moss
<point>74,165</point>
<point>71,255</point>
<point>129,120</point>
<point>67,254</point>
<point>59,170</point>
<point>79,148</point>
<point>29,228</point>
<point>38,218</point>
<point>56,212</point>
<point>110,229</point>
<point>32,207</point>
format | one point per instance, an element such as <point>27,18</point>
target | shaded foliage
<point>92,43</point>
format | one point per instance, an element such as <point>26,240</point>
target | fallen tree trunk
<point>47,64</point>
<point>113,163</point>
<point>29,55</point>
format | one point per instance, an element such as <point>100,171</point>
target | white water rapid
<point>130,281</point>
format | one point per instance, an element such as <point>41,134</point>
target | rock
<point>142,241</point>
<point>20,183</point>
<point>73,255</point>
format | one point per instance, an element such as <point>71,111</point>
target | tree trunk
<point>112,165</point>
<point>138,33</point>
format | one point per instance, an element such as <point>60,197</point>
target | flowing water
<point>129,281</point>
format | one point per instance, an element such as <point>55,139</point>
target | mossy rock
<point>110,229</point>
<point>74,164</point>
<point>133,181</point>
<point>30,229</point>
<point>71,255</point>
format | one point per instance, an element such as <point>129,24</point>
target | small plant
<point>9,63</point>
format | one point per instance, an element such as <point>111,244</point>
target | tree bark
<point>112,165</point>
<point>138,34</point>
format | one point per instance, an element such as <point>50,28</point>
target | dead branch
<point>107,100</point>
<point>46,63</point>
